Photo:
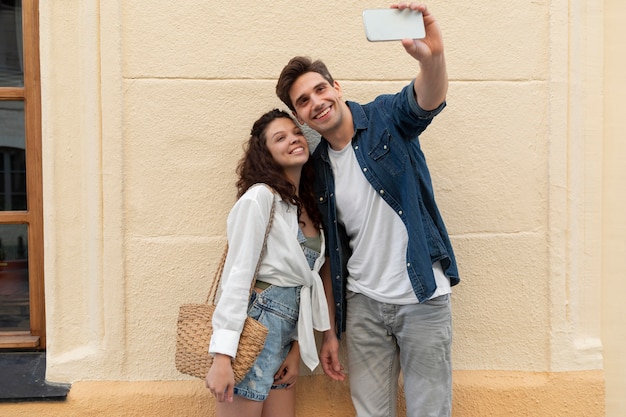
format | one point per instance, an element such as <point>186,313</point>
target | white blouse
<point>284,264</point>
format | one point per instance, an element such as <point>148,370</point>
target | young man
<point>392,264</point>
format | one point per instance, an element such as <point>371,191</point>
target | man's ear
<point>337,88</point>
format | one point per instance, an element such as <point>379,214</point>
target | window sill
<point>18,340</point>
<point>23,379</point>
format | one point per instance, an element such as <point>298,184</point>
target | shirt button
<point>382,192</point>
<point>400,212</point>
<point>356,147</point>
<point>321,198</point>
<point>337,277</point>
<point>364,169</point>
<point>338,305</point>
<point>385,147</point>
<point>408,265</point>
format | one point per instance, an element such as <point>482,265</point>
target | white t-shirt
<point>378,237</point>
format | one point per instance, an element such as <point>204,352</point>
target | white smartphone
<point>393,24</point>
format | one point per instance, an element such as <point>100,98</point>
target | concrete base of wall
<point>476,394</point>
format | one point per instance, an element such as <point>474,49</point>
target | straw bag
<point>194,330</point>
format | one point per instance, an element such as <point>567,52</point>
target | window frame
<point>30,94</point>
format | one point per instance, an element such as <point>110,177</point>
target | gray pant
<point>383,339</point>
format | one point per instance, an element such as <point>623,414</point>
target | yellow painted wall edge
<point>476,394</point>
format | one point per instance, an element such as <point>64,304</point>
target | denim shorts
<point>277,309</point>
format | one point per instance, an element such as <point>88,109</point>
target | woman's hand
<point>220,379</point>
<point>290,368</point>
<point>329,356</point>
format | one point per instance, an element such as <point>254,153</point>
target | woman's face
<point>286,144</point>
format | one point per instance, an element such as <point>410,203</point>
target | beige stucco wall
<point>614,223</point>
<point>146,104</point>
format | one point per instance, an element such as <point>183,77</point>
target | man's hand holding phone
<point>393,24</point>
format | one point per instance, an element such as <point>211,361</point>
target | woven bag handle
<point>218,274</point>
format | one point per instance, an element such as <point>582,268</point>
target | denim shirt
<point>387,148</point>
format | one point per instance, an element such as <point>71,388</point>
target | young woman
<point>288,297</point>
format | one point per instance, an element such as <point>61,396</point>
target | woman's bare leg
<point>280,403</point>
<point>239,407</point>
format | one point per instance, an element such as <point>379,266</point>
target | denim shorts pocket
<point>283,302</point>
<point>254,311</point>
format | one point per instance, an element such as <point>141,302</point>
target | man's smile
<point>322,114</point>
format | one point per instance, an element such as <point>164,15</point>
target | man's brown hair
<point>296,67</point>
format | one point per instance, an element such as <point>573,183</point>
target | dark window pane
<point>11,51</point>
<point>12,156</point>
<point>12,124</point>
<point>14,289</point>
<point>18,202</point>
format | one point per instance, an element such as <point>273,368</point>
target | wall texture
<point>145,107</point>
<point>614,220</point>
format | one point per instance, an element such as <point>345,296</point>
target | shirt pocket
<point>389,153</point>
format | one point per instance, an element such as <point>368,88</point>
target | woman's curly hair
<point>258,166</point>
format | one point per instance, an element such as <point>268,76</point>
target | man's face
<point>317,103</point>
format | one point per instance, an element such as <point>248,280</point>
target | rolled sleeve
<point>224,341</point>
<point>415,108</point>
